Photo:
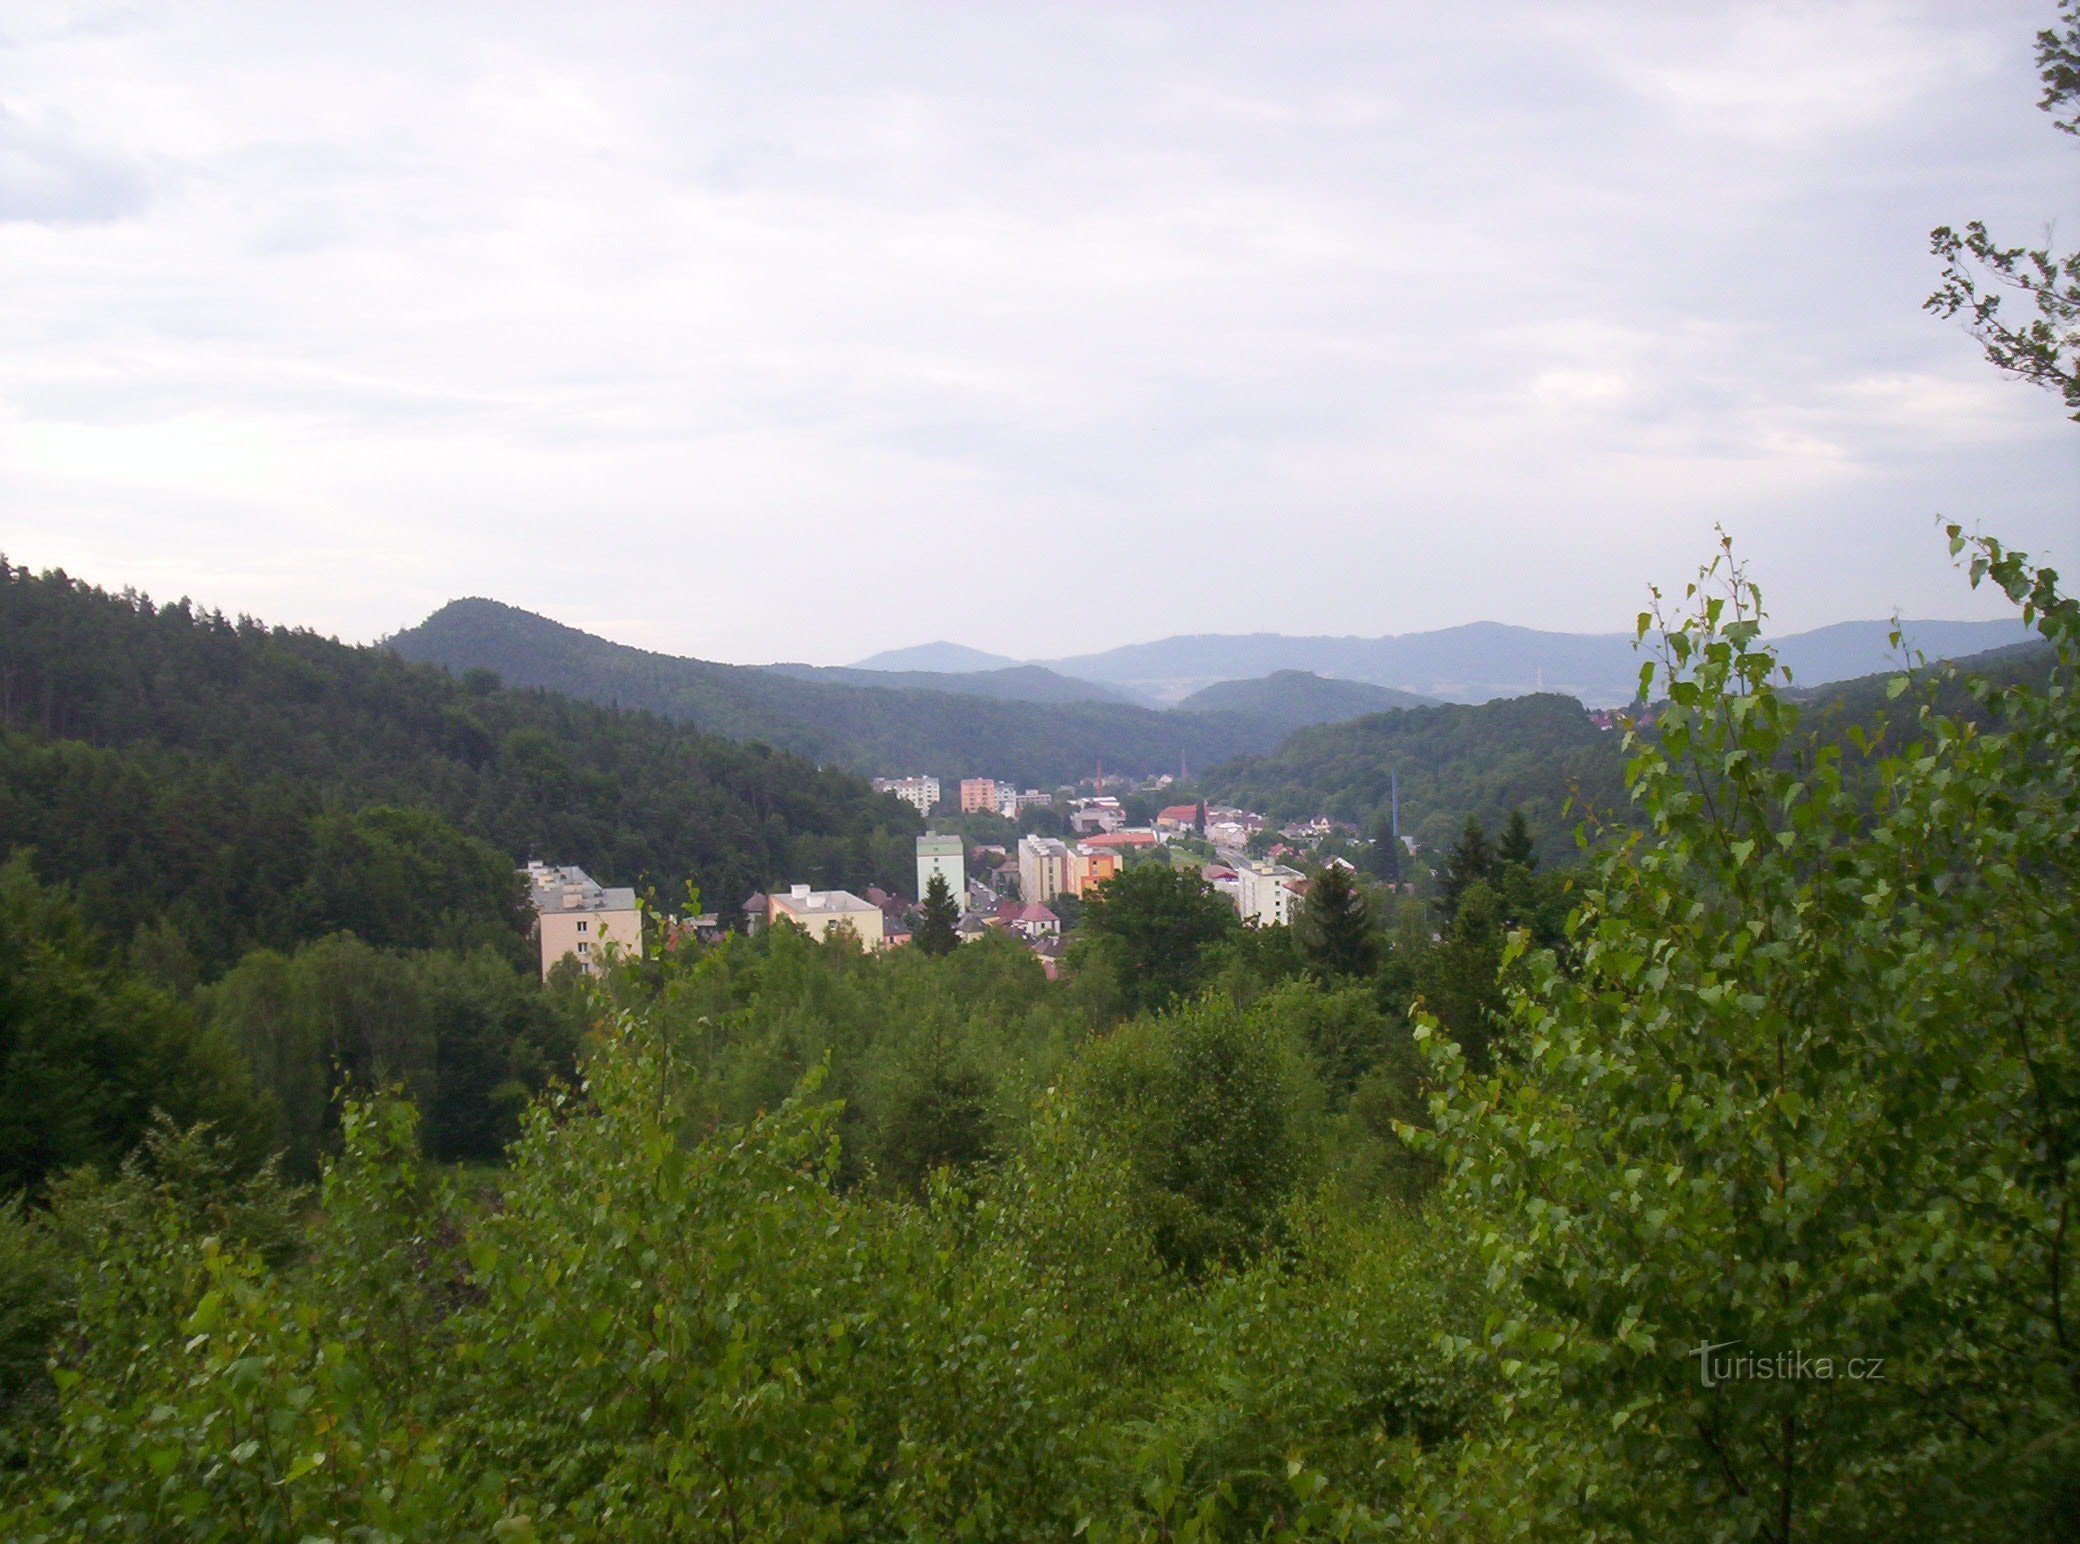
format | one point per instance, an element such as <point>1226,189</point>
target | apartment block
<point>819,913</point>
<point>920,792</point>
<point>578,918</point>
<point>1267,893</point>
<point>978,793</point>
<point>1043,869</point>
<point>945,856</point>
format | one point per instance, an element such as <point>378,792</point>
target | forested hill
<point>226,785</point>
<point>1293,699</point>
<point>1453,761</point>
<point>867,728</point>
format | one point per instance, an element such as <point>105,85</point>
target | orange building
<point>978,793</point>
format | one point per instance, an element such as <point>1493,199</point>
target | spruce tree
<point>1386,851</point>
<point>1471,858</point>
<point>938,932</point>
<point>1336,925</point>
<point>1515,843</point>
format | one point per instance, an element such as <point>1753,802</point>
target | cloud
<point>48,176</point>
<point>913,320</point>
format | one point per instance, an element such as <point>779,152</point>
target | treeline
<point>875,730</point>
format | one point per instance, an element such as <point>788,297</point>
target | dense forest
<point>1293,699</point>
<point>216,827</point>
<point>871,729</point>
<point>1530,753</point>
<point>1469,1214</point>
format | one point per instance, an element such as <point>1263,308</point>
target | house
<point>1178,817</point>
<point>819,913</point>
<point>578,918</point>
<point>1043,868</point>
<point>1267,893</point>
<point>978,793</point>
<point>1027,920</point>
<point>755,912</point>
<point>946,857</point>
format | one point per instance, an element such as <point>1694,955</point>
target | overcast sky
<point>802,331</point>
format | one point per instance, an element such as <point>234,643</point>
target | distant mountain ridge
<point>942,657</point>
<point>879,728</point>
<point>1009,683</point>
<point>1481,661</point>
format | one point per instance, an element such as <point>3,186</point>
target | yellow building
<point>1090,867</point>
<point>576,918</point>
<point>819,912</point>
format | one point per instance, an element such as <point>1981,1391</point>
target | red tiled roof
<point>1120,839</point>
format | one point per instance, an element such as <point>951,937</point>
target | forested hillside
<point>1293,699</point>
<point>1009,683</point>
<point>222,777</point>
<point>870,729</point>
<point>1530,753</point>
<point>247,860</point>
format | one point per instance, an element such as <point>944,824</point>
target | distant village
<point>1028,885</point>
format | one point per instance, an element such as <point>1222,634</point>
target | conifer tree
<point>1336,925</point>
<point>1386,851</point>
<point>1514,847</point>
<point>1472,858</point>
<point>938,932</point>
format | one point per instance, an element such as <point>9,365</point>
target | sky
<point>802,331</point>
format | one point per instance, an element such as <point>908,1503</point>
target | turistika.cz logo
<point>1717,1364</point>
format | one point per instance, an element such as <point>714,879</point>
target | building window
<point>584,948</point>
<point>583,925</point>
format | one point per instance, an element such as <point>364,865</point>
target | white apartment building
<point>577,918</point>
<point>920,792</point>
<point>1043,869</point>
<point>1266,893</point>
<point>945,856</point>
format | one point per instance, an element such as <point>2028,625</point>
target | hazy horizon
<point>818,331</point>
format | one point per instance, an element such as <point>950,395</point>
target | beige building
<point>577,918</point>
<point>819,912</point>
<point>1043,869</point>
<point>1267,893</point>
<point>978,793</point>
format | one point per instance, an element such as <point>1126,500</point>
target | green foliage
<point>1334,926</point>
<point>1205,1106</point>
<point>1157,930</point>
<point>468,1036</point>
<point>1808,1088</point>
<point>89,1052</point>
<point>406,879</point>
